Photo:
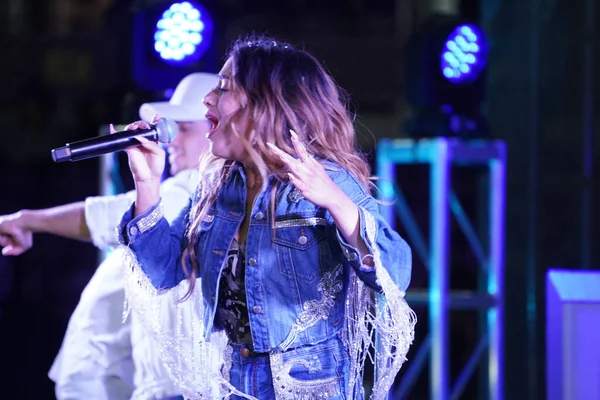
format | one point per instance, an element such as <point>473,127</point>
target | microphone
<point>164,131</point>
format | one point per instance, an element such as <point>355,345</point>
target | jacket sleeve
<point>156,244</point>
<point>386,247</point>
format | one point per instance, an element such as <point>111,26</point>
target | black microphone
<point>164,131</point>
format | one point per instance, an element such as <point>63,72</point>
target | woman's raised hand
<point>308,175</point>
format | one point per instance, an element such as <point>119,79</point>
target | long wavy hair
<point>280,88</point>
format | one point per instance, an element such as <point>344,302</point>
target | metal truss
<point>442,154</point>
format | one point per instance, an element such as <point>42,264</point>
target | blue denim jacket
<point>297,262</point>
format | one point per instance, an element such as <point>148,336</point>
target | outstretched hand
<point>147,161</point>
<point>308,175</point>
<point>15,239</point>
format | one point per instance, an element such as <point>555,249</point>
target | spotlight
<point>183,33</point>
<point>446,63</point>
<point>170,41</point>
<point>462,58</point>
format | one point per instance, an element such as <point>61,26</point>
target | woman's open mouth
<point>214,121</point>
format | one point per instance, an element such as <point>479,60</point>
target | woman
<point>283,262</point>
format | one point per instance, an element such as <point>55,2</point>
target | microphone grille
<point>166,129</point>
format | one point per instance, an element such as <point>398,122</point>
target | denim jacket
<point>298,265</point>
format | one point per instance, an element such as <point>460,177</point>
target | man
<point>101,357</point>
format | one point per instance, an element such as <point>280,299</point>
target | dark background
<point>66,69</point>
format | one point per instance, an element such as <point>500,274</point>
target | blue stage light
<point>183,33</point>
<point>463,57</point>
<point>445,76</point>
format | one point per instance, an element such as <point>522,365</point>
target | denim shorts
<point>325,365</point>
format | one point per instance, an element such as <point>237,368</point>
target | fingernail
<point>294,135</point>
<point>271,145</point>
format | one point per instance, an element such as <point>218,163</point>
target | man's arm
<point>94,219</point>
<point>67,220</point>
<point>16,230</point>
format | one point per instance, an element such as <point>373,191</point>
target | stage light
<point>172,40</point>
<point>446,62</point>
<point>183,33</point>
<point>461,58</point>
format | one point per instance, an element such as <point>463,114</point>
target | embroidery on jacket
<point>288,388</point>
<point>227,363</point>
<point>294,195</point>
<point>149,221</point>
<point>315,310</point>
<point>311,221</point>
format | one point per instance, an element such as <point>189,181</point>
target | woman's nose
<point>209,98</point>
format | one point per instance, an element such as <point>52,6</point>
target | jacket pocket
<point>299,233</point>
<point>299,241</point>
